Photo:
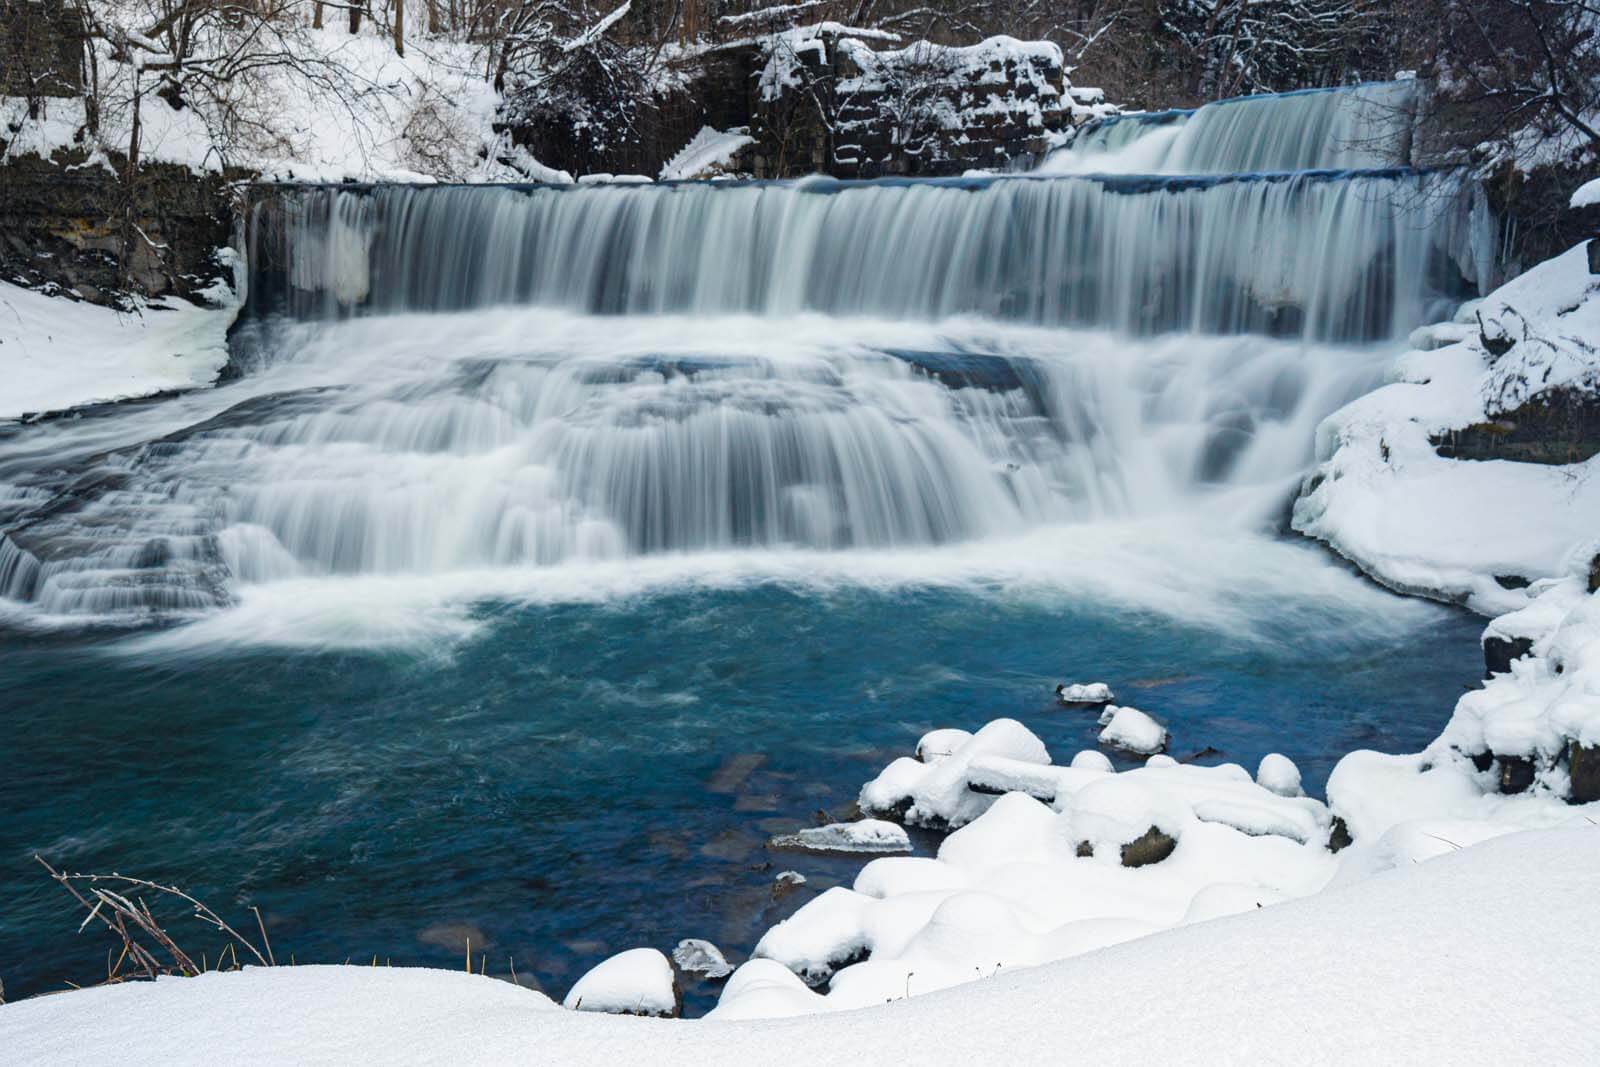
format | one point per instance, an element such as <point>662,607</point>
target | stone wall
<point>41,49</point>
<point>64,226</point>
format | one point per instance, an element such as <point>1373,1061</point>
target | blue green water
<point>548,780</point>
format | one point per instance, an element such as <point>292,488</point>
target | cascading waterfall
<point>1363,128</point>
<point>453,379</point>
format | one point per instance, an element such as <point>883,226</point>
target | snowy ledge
<point>1455,958</point>
<point>1449,528</point>
<point>57,354</point>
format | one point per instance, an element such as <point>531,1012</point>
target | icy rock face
<point>696,956</point>
<point>1279,774</point>
<point>1133,731</point>
<point>1085,693</point>
<point>867,835</point>
<point>936,795</point>
<point>636,982</point>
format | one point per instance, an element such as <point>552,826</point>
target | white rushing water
<point>485,389</point>
<point>1365,128</point>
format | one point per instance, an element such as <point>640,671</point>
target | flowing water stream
<point>557,545</point>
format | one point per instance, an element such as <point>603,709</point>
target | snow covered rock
<point>1124,817</point>
<point>937,744</point>
<point>1279,774</point>
<point>636,982</point>
<point>825,934</point>
<point>1133,731</point>
<point>866,835</point>
<point>936,794</point>
<point>1091,759</point>
<point>1085,693</point>
<point>696,956</point>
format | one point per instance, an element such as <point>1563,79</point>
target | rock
<point>1498,653</point>
<point>1278,774</point>
<point>1133,731</point>
<point>1594,575</point>
<point>1583,767</point>
<point>1091,760</point>
<point>1091,693</point>
<point>868,835</point>
<point>1516,774</point>
<point>731,775</point>
<point>786,882</point>
<point>1152,846</point>
<point>1339,837</point>
<point>699,957</point>
<point>455,936</point>
<point>636,982</point>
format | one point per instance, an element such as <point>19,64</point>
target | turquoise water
<point>543,772</point>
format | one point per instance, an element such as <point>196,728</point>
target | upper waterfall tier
<point>1320,256</point>
<point>1356,128</point>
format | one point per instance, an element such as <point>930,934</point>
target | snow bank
<point>1382,495</point>
<point>1281,983</point>
<point>57,353</point>
<point>636,982</point>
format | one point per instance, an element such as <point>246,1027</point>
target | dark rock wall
<point>63,225</point>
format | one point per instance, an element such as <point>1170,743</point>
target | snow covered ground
<point>1451,963</point>
<point>57,354</point>
<point>1444,527</point>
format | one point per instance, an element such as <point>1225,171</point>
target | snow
<point>1586,195</point>
<point>698,956</point>
<point>1119,809</point>
<point>427,116</point>
<point>57,353</point>
<point>1278,773</point>
<point>937,794</point>
<point>1085,693</point>
<point>636,982</point>
<point>937,744</point>
<point>867,835</point>
<point>708,154</point>
<point>1284,982</point>
<point>1133,731</point>
<point>1415,521</point>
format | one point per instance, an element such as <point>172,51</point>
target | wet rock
<point>754,802</point>
<point>1516,774</point>
<point>1339,837</point>
<point>1583,767</point>
<point>786,882</point>
<point>1152,846</point>
<point>1499,652</point>
<point>701,958</point>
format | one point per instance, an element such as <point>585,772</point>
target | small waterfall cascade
<point>1365,127</point>
<point>448,380</point>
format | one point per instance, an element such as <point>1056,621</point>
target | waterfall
<point>1361,128</point>
<point>1313,255</point>
<point>496,379</point>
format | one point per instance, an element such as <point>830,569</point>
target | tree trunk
<point>434,25</point>
<point>355,17</point>
<point>129,184</point>
<point>400,28</point>
<point>316,15</point>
